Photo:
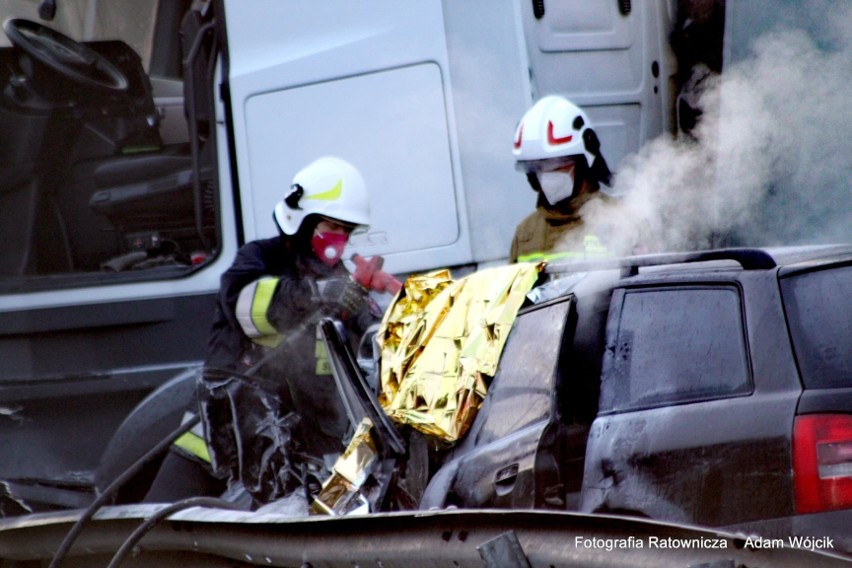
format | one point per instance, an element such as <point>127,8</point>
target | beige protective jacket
<point>551,235</point>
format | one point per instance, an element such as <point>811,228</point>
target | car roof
<point>746,258</point>
<point>585,277</point>
<point>797,261</point>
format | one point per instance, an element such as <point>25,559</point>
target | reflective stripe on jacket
<point>593,249</point>
<point>272,278</point>
<point>253,314</point>
<point>193,442</point>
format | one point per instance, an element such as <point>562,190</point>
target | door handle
<point>609,474</point>
<point>538,9</point>
<point>505,479</point>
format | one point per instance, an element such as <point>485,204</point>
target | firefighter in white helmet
<point>269,302</point>
<point>560,154</point>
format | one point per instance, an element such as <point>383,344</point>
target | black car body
<point>711,388</point>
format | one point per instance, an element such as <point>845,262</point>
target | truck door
<point>611,57</point>
<point>109,252</point>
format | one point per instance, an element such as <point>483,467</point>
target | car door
<point>697,398</point>
<point>509,457</point>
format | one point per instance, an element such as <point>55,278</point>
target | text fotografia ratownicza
<point>610,544</point>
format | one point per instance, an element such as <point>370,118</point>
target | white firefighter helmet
<point>330,187</point>
<point>553,133</point>
<point>552,129</point>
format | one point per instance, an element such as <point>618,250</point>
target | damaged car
<point>633,398</point>
<point>706,388</point>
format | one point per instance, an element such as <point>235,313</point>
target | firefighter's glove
<point>369,274</point>
<point>341,296</point>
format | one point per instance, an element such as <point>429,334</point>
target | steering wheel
<point>61,54</point>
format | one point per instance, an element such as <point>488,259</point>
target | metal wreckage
<point>438,347</point>
<point>436,352</point>
<point>440,344</point>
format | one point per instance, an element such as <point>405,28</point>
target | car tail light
<point>822,462</point>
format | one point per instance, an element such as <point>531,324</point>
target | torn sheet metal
<point>10,504</point>
<point>12,412</point>
<point>250,435</point>
<point>441,342</point>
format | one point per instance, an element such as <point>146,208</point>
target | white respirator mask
<point>556,186</point>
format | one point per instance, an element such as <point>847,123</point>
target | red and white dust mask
<point>329,246</point>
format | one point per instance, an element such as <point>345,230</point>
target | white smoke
<point>771,158</point>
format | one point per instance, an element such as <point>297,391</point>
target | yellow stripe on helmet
<point>332,194</point>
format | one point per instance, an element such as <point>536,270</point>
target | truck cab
<point>142,142</point>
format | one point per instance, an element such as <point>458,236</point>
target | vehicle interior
<point>104,146</point>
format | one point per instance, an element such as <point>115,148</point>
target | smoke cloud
<point>768,164</point>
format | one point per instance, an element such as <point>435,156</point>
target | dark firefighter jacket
<point>289,405</point>
<point>290,304</point>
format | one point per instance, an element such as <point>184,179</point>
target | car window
<point>674,345</point>
<point>522,391</point>
<point>819,312</point>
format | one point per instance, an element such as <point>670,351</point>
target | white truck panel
<point>368,84</point>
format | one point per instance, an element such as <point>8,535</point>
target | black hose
<point>159,516</point>
<point>119,481</point>
<point>164,444</point>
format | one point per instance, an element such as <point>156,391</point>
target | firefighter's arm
<point>272,305</point>
<point>259,310</point>
<point>369,274</point>
<point>345,297</point>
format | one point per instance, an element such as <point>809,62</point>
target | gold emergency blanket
<point>441,342</point>
<point>340,494</point>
